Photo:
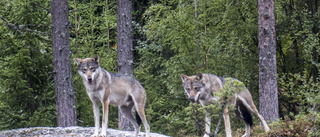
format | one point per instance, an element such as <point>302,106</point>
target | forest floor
<point>75,131</point>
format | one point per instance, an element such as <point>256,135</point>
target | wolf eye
<point>92,69</point>
<point>84,69</point>
<point>197,88</point>
<point>188,89</point>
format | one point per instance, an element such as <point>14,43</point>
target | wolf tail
<point>247,117</point>
<point>138,119</point>
<point>245,113</point>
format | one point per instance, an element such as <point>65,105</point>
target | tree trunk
<point>64,93</point>
<point>197,34</point>
<point>312,7</point>
<point>124,49</point>
<point>269,107</point>
<point>314,68</point>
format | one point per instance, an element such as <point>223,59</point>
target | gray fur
<point>106,88</point>
<point>201,88</point>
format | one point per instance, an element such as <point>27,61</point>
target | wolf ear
<point>78,61</point>
<point>96,58</point>
<point>199,76</point>
<point>184,78</point>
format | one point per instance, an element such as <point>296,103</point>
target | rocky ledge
<point>67,132</point>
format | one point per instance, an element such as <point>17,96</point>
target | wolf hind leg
<point>247,133</point>
<point>264,123</point>
<point>140,110</point>
<point>126,111</point>
<point>244,114</point>
<point>248,103</point>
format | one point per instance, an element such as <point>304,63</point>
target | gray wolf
<point>200,88</point>
<point>106,88</point>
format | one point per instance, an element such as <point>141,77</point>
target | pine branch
<point>10,25</point>
<point>44,8</point>
<point>43,33</point>
<point>220,117</point>
<point>76,10</point>
<point>21,27</point>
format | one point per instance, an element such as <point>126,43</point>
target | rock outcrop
<point>67,132</point>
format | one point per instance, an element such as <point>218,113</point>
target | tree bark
<point>197,34</point>
<point>269,107</point>
<point>124,49</point>
<point>64,93</point>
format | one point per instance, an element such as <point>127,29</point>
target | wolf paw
<point>102,135</point>
<point>94,135</point>
<point>245,135</point>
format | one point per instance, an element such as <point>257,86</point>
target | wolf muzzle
<point>90,80</point>
<point>193,100</point>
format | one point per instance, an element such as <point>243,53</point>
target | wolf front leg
<point>208,124</point>
<point>95,106</point>
<point>227,122</point>
<point>105,106</point>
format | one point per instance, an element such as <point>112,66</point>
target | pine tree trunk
<point>124,49</point>
<point>64,93</point>
<point>197,34</point>
<point>268,90</point>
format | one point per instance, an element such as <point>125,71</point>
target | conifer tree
<point>124,49</point>
<point>268,88</point>
<point>65,95</point>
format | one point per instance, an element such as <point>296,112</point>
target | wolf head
<point>88,68</point>
<point>193,86</point>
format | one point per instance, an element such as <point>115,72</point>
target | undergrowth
<point>304,125</point>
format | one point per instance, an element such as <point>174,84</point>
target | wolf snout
<point>90,79</point>
<point>192,99</point>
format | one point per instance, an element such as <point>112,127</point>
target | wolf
<point>200,88</point>
<point>108,88</point>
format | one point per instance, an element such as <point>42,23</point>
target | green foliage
<point>26,88</point>
<point>298,94</point>
<point>297,36</point>
<point>195,120</point>
<point>303,125</point>
<point>231,87</point>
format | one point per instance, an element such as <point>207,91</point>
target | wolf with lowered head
<point>201,88</point>
<point>108,88</point>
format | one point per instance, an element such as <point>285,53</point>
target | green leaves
<point>26,65</point>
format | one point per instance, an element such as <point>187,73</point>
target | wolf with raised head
<point>201,88</point>
<point>106,88</point>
